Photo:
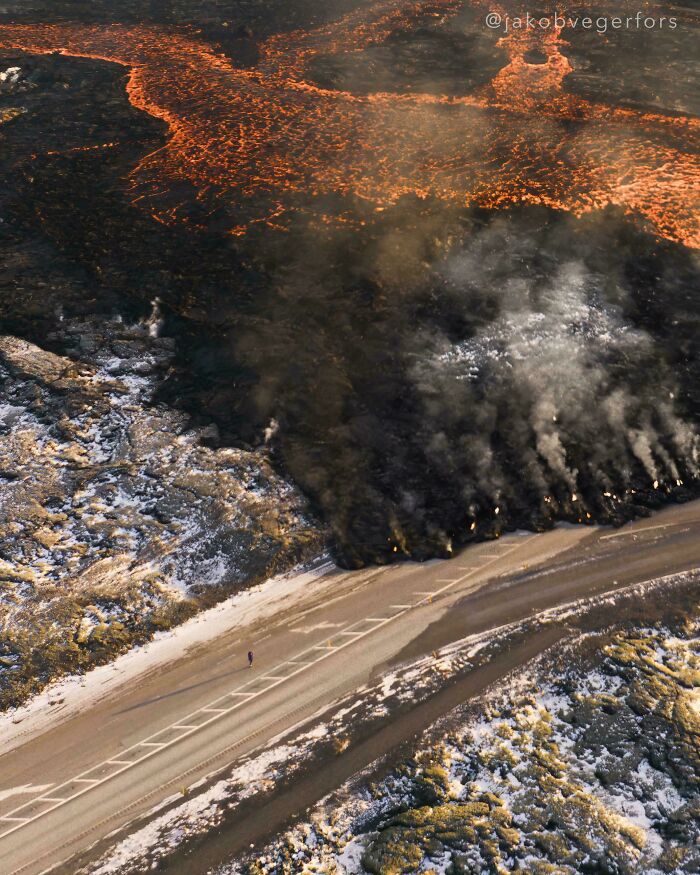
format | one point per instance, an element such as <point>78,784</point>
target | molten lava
<point>257,138</point>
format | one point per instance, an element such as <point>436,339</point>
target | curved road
<point>100,769</point>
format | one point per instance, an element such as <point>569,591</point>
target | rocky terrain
<point>424,375</point>
<point>116,519</point>
<point>119,515</point>
<point>590,767</point>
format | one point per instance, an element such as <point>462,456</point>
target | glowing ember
<point>254,138</point>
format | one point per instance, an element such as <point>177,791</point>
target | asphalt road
<point>116,760</point>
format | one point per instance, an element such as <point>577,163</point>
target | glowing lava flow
<point>255,138</point>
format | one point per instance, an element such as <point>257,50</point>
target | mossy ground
<point>595,769</point>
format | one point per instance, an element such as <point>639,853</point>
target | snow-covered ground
<point>327,734</point>
<point>587,765</point>
<point>117,519</point>
<point>506,726</point>
<point>70,695</point>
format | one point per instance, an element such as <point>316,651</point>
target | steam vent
<point>349,437</point>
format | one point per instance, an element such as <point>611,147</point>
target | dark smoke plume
<point>440,377</point>
<point>427,375</point>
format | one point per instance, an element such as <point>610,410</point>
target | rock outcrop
<point>115,518</point>
<point>591,766</point>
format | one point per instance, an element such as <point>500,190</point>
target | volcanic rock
<point>115,519</point>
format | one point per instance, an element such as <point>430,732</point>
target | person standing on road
<point>250,659</point>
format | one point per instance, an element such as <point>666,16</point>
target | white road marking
<point>24,790</point>
<point>633,531</point>
<point>319,627</point>
<point>156,747</point>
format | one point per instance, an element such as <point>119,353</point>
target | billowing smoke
<point>550,355</point>
<point>427,374</point>
<point>437,378</point>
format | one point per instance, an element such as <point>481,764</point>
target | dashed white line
<point>188,729</point>
<point>633,532</point>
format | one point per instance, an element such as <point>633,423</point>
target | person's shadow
<point>155,699</point>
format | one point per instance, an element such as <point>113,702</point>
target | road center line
<point>156,747</point>
<point>634,532</point>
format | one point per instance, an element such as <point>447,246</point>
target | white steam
<point>557,369</point>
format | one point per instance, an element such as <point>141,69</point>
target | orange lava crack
<point>255,136</point>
